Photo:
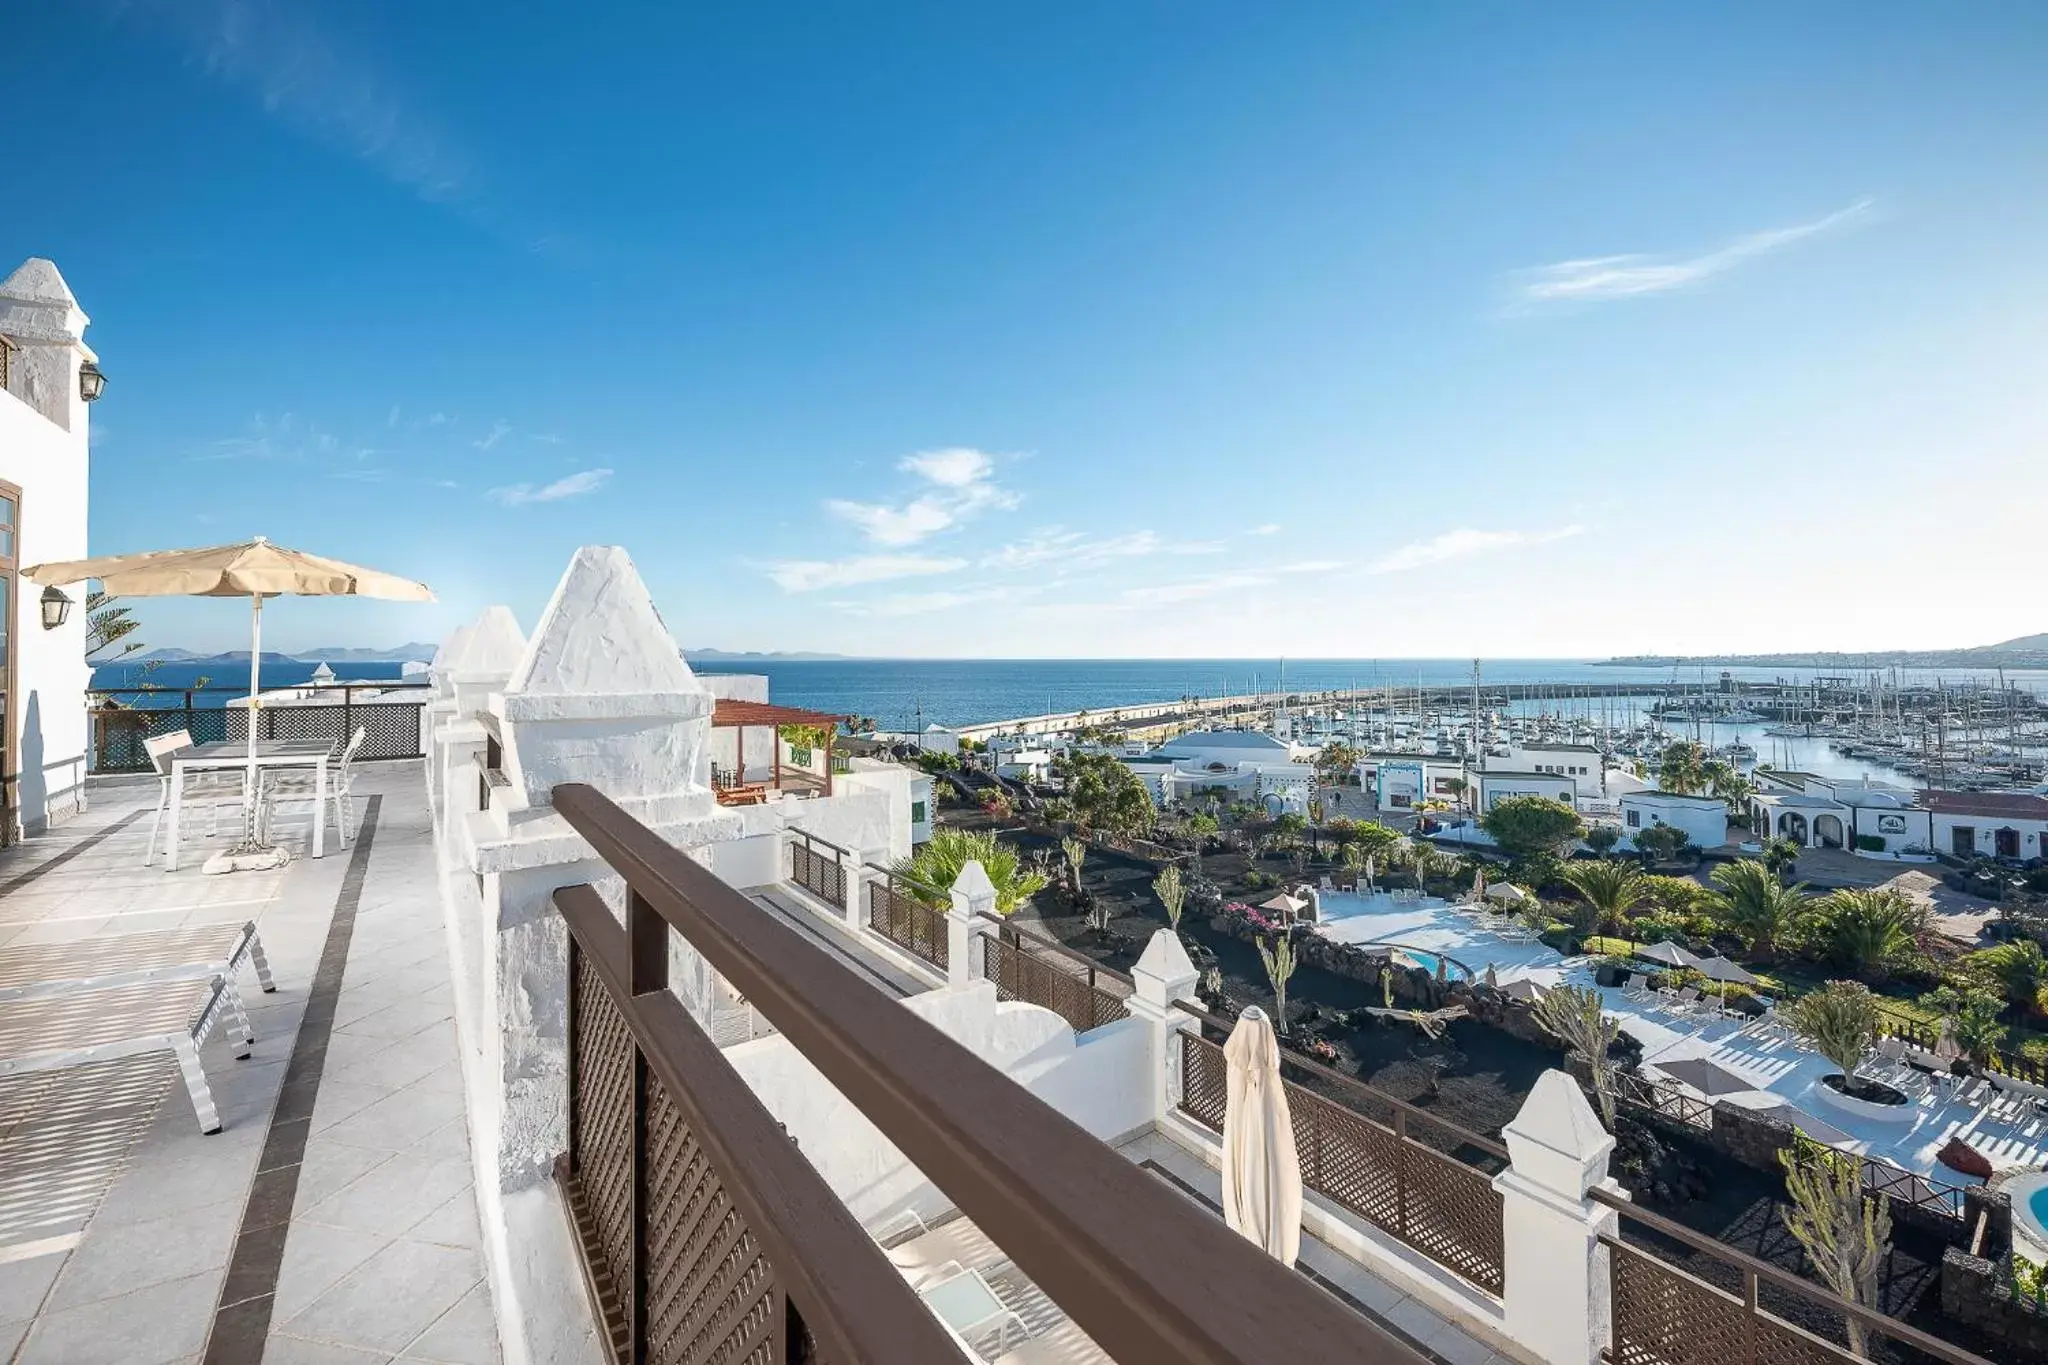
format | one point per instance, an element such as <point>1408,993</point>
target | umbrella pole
<point>250,854</point>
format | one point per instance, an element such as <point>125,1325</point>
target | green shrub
<point>1870,843</point>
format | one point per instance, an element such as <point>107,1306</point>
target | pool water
<point>2037,1204</point>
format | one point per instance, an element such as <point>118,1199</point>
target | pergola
<point>732,714</point>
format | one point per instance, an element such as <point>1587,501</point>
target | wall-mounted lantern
<point>56,607</point>
<point>90,382</point>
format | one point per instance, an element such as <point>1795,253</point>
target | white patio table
<point>231,754</point>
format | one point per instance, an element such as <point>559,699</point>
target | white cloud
<point>302,73</point>
<point>963,485</point>
<point>956,468</point>
<point>809,575</point>
<point>924,603</point>
<point>500,429</point>
<point>1192,589</point>
<point>1310,566</point>
<point>569,486</point>
<point>1464,543</point>
<point>1628,276</point>
<point>1071,549</point>
<point>1270,528</point>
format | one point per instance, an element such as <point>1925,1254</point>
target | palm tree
<point>1972,1018</point>
<point>1755,904</point>
<point>1724,780</point>
<point>2020,969</point>
<point>1681,769</point>
<point>1611,890</point>
<point>929,876</point>
<point>1866,931</point>
<point>1781,855</point>
<point>1354,857</point>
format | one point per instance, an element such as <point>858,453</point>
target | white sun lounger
<point>57,1032</point>
<point>956,1242</point>
<point>41,970</point>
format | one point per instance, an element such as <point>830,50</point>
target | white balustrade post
<point>858,863</point>
<point>973,894</point>
<point>1163,975</point>
<point>1557,1300</point>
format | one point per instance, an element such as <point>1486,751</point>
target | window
<point>1635,819</point>
<point>917,813</point>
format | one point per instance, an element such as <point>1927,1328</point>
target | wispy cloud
<point>925,603</point>
<point>810,575</point>
<point>575,485</point>
<point>1071,549</point>
<point>1599,278</point>
<point>960,483</point>
<point>1270,528</point>
<point>303,74</point>
<point>1192,589</point>
<point>500,429</point>
<point>1464,544</point>
<point>1310,566</point>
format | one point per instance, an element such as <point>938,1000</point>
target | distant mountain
<point>727,656</point>
<point>411,652</point>
<point>2028,651</point>
<point>186,656</point>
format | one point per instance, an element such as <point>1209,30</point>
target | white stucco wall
<point>898,787</point>
<point>1497,787</point>
<point>1706,825</point>
<point>43,451</point>
<point>743,863</point>
<point>1100,1081</point>
<point>2032,833</point>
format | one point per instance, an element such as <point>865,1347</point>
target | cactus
<point>1573,1016</point>
<point>1279,960</point>
<point>1172,893</point>
<point>1847,1236</point>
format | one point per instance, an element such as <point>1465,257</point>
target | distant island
<point>2028,651</point>
<point>418,652</point>
<point>412,652</point>
<point>729,656</point>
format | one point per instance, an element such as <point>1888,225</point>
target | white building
<point>1703,819</point>
<point>1233,765</point>
<point>1497,785</point>
<point>1395,782</point>
<point>47,378</point>
<point>1832,812</point>
<point>1996,824</point>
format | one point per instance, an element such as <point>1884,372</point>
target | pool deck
<point>1781,1070</point>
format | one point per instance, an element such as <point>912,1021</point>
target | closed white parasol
<point>1261,1172</point>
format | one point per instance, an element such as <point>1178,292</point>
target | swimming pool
<point>2030,1217</point>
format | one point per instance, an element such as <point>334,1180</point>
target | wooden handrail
<point>850,1295</point>
<point>1378,1096</point>
<point>1761,1271</point>
<point>1143,1272</point>
<point>1072,955</point>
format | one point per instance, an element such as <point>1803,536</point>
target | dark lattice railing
<point>1084,995</point>
<point>709,1239</point>
<point>817,867</point>
<point>908,923</point>
<point>121,721</point>
<point>1443,1207</point>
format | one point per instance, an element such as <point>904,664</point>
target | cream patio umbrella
<point>1261,1171</point>
<point>254,569</point>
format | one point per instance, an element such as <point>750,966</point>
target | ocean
<point>899,692</point>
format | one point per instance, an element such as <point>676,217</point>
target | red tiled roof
<point>2009,805</point>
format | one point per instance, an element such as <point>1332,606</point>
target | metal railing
<point>818,866</point>
<point>2020,1068</point>
<point>1662,1097</point>
<point>122,719</point>
<point>1665,1314</point>
<point>1429,1198</point>
<point>710,1239</point>
<point>1039,972</point>
<point>905,921</point>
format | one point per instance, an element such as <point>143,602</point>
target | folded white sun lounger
<point>39,970</point>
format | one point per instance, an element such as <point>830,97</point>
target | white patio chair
<point>212,789</point>
<point>1681,1002</point>
<point>299,784</point>
<point>956,1243</point>
<point>1637,989</point>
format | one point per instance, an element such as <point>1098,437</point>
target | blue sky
<point>1320,330</point>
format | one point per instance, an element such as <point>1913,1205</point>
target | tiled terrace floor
<point>335,1224</point>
